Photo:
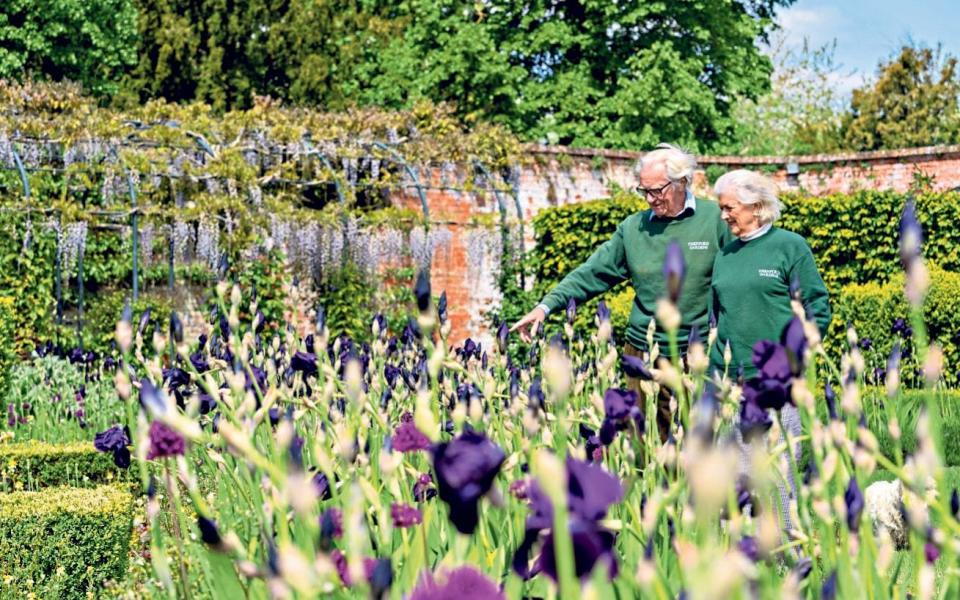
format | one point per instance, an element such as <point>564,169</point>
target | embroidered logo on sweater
<point>775,273</point>
<point>698,245</point>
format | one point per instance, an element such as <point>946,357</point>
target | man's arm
<point>605,268</point>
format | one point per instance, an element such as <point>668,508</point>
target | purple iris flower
<point>407,438</point>
<point>590,493</point>
<point>465,468</point>
<point>749,547</point>
<point>304,362</point>
<point>176,327</point>
<point>674,270</point>
<point>423,489</point>
<point>442,307</point>
<point>199,361</point>
<point>829,589</point>
<point>463,583</point>
<point>603,313</point>
<point>911,234</point>
<point>620,407</point>
<point>635,367</point>
<point>771,360</point>
<point>114,440</point>
<point>794,341</point>
<point>404,515</point>
<point>853,498</point>
<point>422,291</point>
<point>164,442</point>
<point>767,393</point>
<point>754,420</point>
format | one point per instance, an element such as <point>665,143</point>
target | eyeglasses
<point>654,192</point>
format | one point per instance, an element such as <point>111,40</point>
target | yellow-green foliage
<point>855,238</point>
<point>7,351</point>
<point>872,307</point>
<point>63,542</point>
<point>34,465</point>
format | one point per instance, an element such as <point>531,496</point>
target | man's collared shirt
<point>689,203</point>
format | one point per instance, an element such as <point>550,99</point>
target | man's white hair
<point>680,164</point>
<point>752,188</point>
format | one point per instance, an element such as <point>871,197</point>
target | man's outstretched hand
<point>529,323</point>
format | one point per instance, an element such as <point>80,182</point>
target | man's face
<point>666,198</point>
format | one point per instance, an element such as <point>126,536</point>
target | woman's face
<point>740,218</point>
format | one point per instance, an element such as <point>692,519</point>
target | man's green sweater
<point>636,251</point>
<point>751,293</point>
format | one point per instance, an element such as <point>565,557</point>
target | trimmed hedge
<point>34,465</point>
<point>8,354</point>
<point>63,542</point>
<point>872,307</point>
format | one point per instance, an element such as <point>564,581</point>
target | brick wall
<point>466,268</point>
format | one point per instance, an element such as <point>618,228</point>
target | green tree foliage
<point>88,41</point>
<point>913,102</point>
<point>581,72</point>
<point>223,53</point>
<point>802,112</point>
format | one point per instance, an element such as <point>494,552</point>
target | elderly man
<point>636,252</point>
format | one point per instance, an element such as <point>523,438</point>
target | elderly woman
<point>752,280</point>
<point>753,274</point>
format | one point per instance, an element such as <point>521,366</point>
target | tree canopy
<point>912,102</point>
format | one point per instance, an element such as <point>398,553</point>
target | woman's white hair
<point>752,188</point>
<point>680,164</point>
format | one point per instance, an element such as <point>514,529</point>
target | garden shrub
<point>104,310</point>
<point>34,465</point>
<point>63,542</point>
<point>853,236</point>
<point>8,354</point>
<point>872,308</point>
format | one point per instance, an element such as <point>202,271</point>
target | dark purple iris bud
<point>893,361</point>
<point>931,551</point>
<point>711,320</point>
<point>469,349</point>
<point>503,333</point>
<point>899,326</point>
<point>76,356</point>
<point>745,497</point>
<point>772,360</point>
<point>571,310</point>
<point>462,583</point>
<point>421,290</point>
<point>618,402</point>
<point>423,489</point>
<point>853,498</point>
<point>803,568</point>
<point>483,365</point>
<point>411,333</point>
<point>109,363</point>
<point>209,532</point>
<point>794,340</point>
<point>955,503</point>
<point>322,485</point>
<point>442,307</point>
<point>749,547</point>
<point>199,361</point>
<point>911,234</point>
<point>304,362</point>
<point>705,413</point>
<point>273,413</point>
<point>404,515</point>
<point>603,313</point>
<point>829,589</point>
<point>754,420</point>
<point>176,378</point>
<point>151,398</point>
<point>259,322</point>
<point>634,367</point>
<point>331,527</point>
<point>390,373</point>
<point>674,270</point>
<point>258,379</point>
<point>176,327</point>
<point>295,452</point>
<point>381,322</point>
<point>407,438</point>
<point>144,320</point>
<point>592,442</point>
<point>866,344</point>
<point>514,383</point>
<point>794,289</point>
<point>207,403</point>
<point>164,442</point>
<point>536,397</point>
<point>694,336</point>
<point>465,468</point>
<point>380,579</point>
<point>767,393</point>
